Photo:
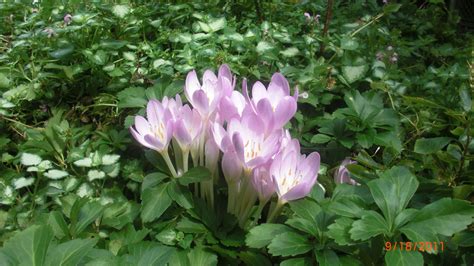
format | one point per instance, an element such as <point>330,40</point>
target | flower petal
<point>285,110</point>
<point>142,125</point>
<point>201,102</point>
<point>231,167</point>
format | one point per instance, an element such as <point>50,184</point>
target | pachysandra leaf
<point>289,244</point>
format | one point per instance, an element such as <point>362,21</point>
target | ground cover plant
<point>236,133</point>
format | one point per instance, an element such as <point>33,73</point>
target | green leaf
<point>70,252</point>
<point>88,213</point>
<point>393,191</point>
<point>354,73</point>
<point>120,10</point>
<point>110,159</point>
<point>4,81</point>
<point>371,224</point>
<point>95,174</point>
<point>29,159</point>
<point>290,52</point>
<point>327,258</point>
<point>195,175</point>
<point>289,244</point>
<point>119,214</point>
<point>349,43</point>
<point>262,235</point>
<point>217,24</point>
<point>464,239</point>
<point>400,257</point>
<point>180,195</point>
<point>56,174</point>
<point>23,182</point>
<point>431,145</point>
<point>156,256</point>
<point>132,97</point>
<point>29,247</point>
<point>297,262</point>
<point>320,138</point>
<point>199,257</point>
<point>155,201</point>
<point>339,231</point>
<point>306,208</point>
<point>188,226</point>
<point>349,206</point>
<point>86,162</point>
<point>445,217</point>
<point>263,47</point>
<point>391,8</point>
<point>58,224</point>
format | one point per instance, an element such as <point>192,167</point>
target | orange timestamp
<point>415,246</point>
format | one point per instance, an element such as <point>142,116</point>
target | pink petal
<point>140,138</point>
<point>258,92</point>
<point>231,167</point>
<point>154,142</point>
<point>200,102</point>
<point>142,125</point>
<point>192,84</point>
<point>285,110</point>
<point>297,192</point>
<point>181,133</point>
<point>265,111</point>
<point>154,111</point>
<point>209,76</point>
<point>239,148</point>
<point>279,82</point>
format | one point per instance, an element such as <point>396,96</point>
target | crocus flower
<point>307,15</point>
<point>274,105</point>
<point>247,138</point>
<point>263,183</point>
<point>206,97</point>
<point>342,174</point>
<point>233,106</point>
<point>50,32</point>
<point>294,174</point>
<point>187,127</point>
<point>67,19</point>
<point>173,105</point>
<point>156,131</point>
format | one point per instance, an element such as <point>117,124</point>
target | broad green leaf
<point>4,81</point>
<point>348,43</point>
<point>188,226</point>
<point>371,224</point>
<point>289,244</point>
<point>466,101</point>
<point>95,174</point>
<point>320,138</point>
<point>88,213</point>
<point>29,246</point>
<point>306,208</point>
<point>400,257</point>
<point>120,10</point>
<point>86,162</point>
<point>431,145</point>
<point>119,214</point>
<point>132,97</point>
<point>180,195</point>
<point>339,231</point>
<point>217,24</point>
<point>155,201</point>
<point>56,174</point>
<point>195,175</point>
<point>392,191</point>
<point>297,262</point>
<point>445,217</point>
<point>23,182</point>
<point>262,235</point>
<point>156,256</point>
<point>263,47</point>
<point>349,206</point>
<point>354,73</point>
<point>290,52</point>
<point>327,257</point>
<point>391,8</point>
<point>58,224</point>
<point>70,252</point>
<point>304,225</point>
<point>199,257</point>
<point>28,159</point>
<point>109,159</point>
<point>464,239</point>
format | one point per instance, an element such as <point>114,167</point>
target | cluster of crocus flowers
<point>242,131</point>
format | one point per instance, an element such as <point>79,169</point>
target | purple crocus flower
<point>187,127</point>
<point>307,15</point>
<point>50,32</point>
<point>263,183</point>
<point>67,19</point>
<point>294,174</point>
<point>233,106</point>
<point>156,131</point>
<point>274,105</point>
<point>342,174</point>
<point>206,97</point>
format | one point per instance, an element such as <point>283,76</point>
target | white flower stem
<point>185,160</point>
<point>166,156</point>
<point>276,211</point>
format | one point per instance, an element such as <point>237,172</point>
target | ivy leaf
<point>70,252</point>
<point>393,191</point>
<point>371,224</point>
<point>431,145</point>
<point>155,201</point>
<point>400,257</point>
<point>354,73</point>
<point>262,235</point>
<point>196,174</point>
<point>29,247</point>
<point>289,244</point>
<point>29,159</point>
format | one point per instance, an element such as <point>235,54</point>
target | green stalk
<point>276,211</point>
<point>166,156</point>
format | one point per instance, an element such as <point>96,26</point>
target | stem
<point>168,162</point>
<point>326,23</point>
<point>258,213</point>
<point>185,160</point>
<point>276,211</point>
